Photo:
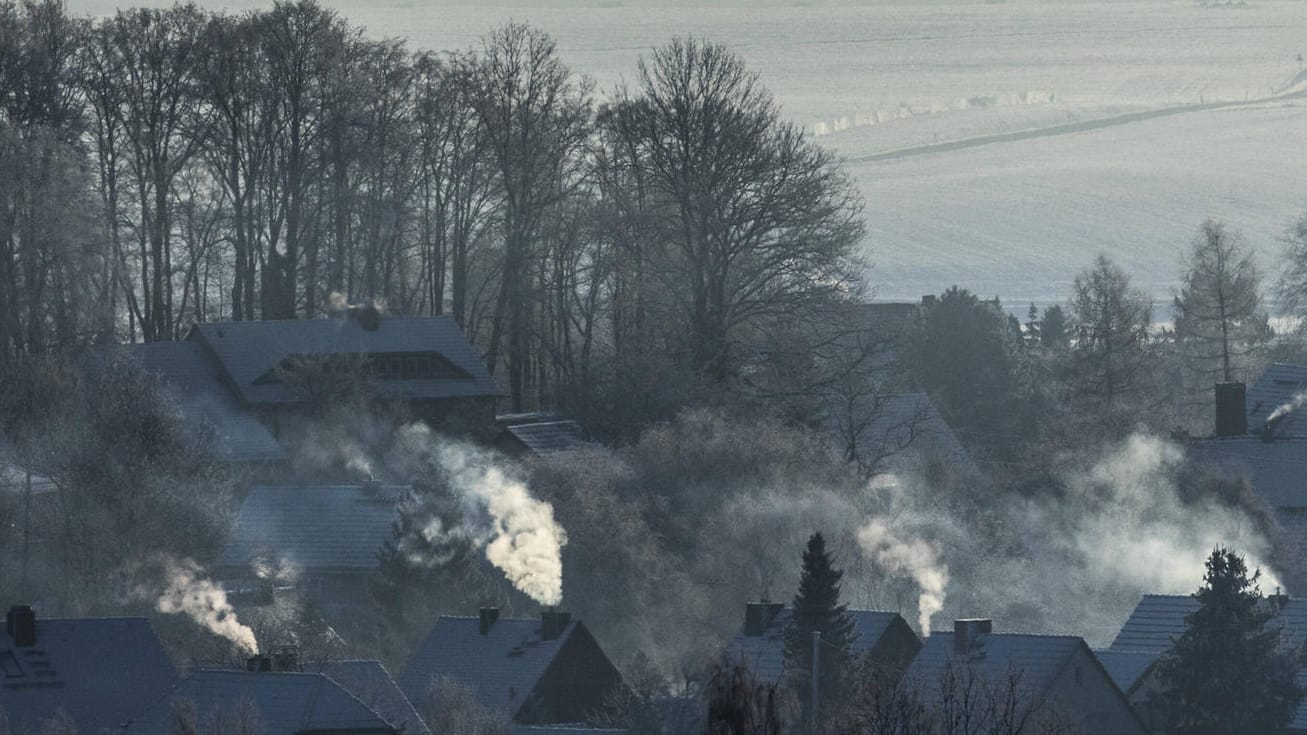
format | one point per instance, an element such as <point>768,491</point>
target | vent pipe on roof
<point>1231,410</point>
<point>20,623</point>
<point>967,631</point>
<point>489,616</point>
<point>552,624</point>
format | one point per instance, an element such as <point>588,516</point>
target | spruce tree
<point>817,608</point>
<point>1229,672</point>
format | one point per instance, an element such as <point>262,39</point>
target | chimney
<point>371,487</point>
<point>759,615</point>
<point>1231,411</point>
<point>20,623</point>
<point>285,658</point>
<point>552,624</point>
<point>967,630</point>
<point>258,663</point>
<point>489,616</point>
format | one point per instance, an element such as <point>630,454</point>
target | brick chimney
<point>552,624</point>
<point>258,663</point>
<point>967,630</point>
<point>1231,411</point>
<point>759,615</point>
<point>20,623</point>
<point>489,616</point>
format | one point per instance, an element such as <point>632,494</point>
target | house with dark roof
<point>1052,678</point>
<point>250,385</point>
<point>1274,403</point>
<point>882,639</point>
<point>329,536</point>
<point>540,671</point>
<point>1158,620</point>
<point>101,672</point>
<point>263,701</point>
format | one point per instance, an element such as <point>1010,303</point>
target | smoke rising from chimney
<point>912,557</point>
<point>187,591</point>
<point>1293,404</point>
<point>519,533</point>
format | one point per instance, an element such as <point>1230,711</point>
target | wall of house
<point>577,682</point>
<point>1083,694</point>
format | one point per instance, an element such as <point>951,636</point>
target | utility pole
<point>816,651</point>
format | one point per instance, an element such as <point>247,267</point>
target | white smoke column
<point>911,557</point>
<point>525,542</point>
<point>188,592</point>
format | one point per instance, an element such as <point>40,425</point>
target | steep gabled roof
<point>765,654</point>
<point>502,667</point>
<point>1276,387</point>
<point>371,684</point>
<point>249,351</point>
<point>212,412</point>
<point>909,431</point>
<point>101,671</point>
<point>1127,668</point>
<point>284,703</point>
<point>1035,659</point>
<point>325,528</point>
<point>548,437</point>
<point>1276,469</point>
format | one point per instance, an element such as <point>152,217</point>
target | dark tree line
<point>170,166</point>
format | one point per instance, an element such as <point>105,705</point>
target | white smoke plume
<point>1295,403</point>
<point>912,557</point>
<point>521,537</point>
<point>1140,531</point>
<point>187,591</point>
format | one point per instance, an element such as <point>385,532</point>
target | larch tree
<point>817,611</point>
<point>1230,671</point>
<point>1218,310</point>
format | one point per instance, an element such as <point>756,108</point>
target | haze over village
<point>900,369</point>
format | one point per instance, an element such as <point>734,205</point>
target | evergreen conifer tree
<point>817,608</point>
<point>1229,672</point>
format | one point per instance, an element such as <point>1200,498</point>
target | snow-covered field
<point>1015,217</point>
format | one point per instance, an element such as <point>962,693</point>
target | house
<point>883,639</point>
<point>1158,620</point>
<point>540,434</point>
<point>540,671</point>
<point>328,535</point>
<point>250,386</point>
<point>275,702</point>
<point>101,672</point>
<point>1054,677</point>
<point>213,415</point>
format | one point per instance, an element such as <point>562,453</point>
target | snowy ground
<point>1017,217</point>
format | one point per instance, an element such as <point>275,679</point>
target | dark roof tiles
<point>328,528</point>
<point>502,667</point>
<point>764,655</point>
<point>101,671</point>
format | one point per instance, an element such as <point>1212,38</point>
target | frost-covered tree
<point>1110,320</point>
<point>1218,310</point>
